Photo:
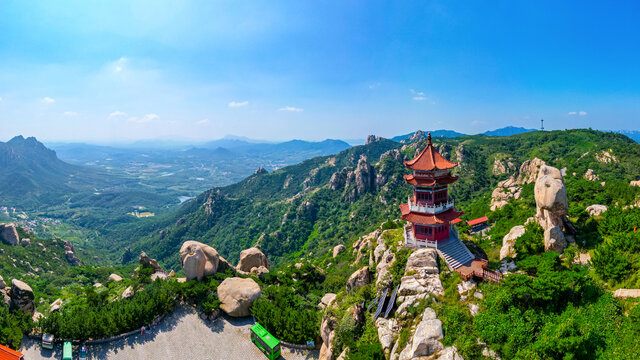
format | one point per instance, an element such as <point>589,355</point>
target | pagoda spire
<point>429,138</point>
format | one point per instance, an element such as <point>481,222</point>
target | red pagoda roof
<point>477,221</point>
<point>6,353</point>
<point>427,219</point>
<point>456,221</point>
<point>443,180</point>
<point>429,159</point>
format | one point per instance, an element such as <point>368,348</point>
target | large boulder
<point>359,279</point>
<point>327,333</point>
<point>635,183</point>
<point>508,242</point>
<point>251,258</point>
<point>9,234</point>
<point>22,296</point>
<point>426,339</point>
<point>338,249</point>
<point>505,191</point>
<point>237,295</point>
<point>2,283</point>
<point>148,262</point>
<point>327,300</point>
<point>198,260</point>
<point>115,277</point>
<point>55,306</point>
<point>595,210</point>
<point>551,207</point>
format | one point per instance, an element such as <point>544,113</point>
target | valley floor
<point>181,335</point>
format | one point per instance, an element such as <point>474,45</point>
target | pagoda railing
<point>430,209</point>
<point>411,241</point>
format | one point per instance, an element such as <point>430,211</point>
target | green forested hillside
<point>294,210</point>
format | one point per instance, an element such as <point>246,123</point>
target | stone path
<point>181,335</point>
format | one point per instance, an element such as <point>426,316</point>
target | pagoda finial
<point>429,138</point>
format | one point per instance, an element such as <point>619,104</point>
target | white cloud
<point>419,95</point>
<point>234,104</point>
<point>70,113</point>
<point>572,112</point>
<point>374,85</point>
<point>291,109</point>
<point>116,114</point>
<point>119,64</point>
<point>143,119</point>
<point>582,113</point>
<point>202,122</point>
<point>0,99</point>
<point>478,122</point>
<point>48,100</point>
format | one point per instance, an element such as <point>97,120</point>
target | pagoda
<point>430,210</point>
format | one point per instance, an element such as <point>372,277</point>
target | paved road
<point>181,335</point>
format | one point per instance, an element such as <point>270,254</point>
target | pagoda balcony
<point>411,241</point>
<point>426,208</point>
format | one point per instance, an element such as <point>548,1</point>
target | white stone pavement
<point>181,335</point>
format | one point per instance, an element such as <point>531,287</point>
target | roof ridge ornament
<point>429,138</point>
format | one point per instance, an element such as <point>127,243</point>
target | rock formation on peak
<point>260,170</point>
<point>503,166</point>
<point>508,242</point>
<point>70,254</point>
<point>551,207</point>
<point>372,139</point>
<point>9,234</point>
<point>198,260</point>
<point>511,188</point>
<point>529,171</point>
<point>251,260</point>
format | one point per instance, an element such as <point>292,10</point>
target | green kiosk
<point>268,344</point>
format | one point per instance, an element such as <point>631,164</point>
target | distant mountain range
<point>505,131</point>
<point>633,134</point>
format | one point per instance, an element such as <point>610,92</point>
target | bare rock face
<point>359,279</point>
<point>326,300</point>
<point>385,261</point>
<point>595,210</point>
<point>2,283</point>
<point>22,296</point>
<point>551,207</point>
<point>635,183</point>
<point>416,136</point>
<point>503,166</point>
<point>529,170</point>
<point>426,339</point>
<point>505,191</point>
<point>460,154</point>
<point>237,295</point>
<point>127,293</point>
<point>606,156</point>
<point>146,261</point>
<point>198,260</point>
<point>327,333</point>
<point>509,240</point>
<point>70,254</point>
<point>338,249</point>
<point>591,175</point>
<point>372,139</point>
<point>339,179</point>
<point>626,293</point>
<point>115,277</point>
<point>55,306</point>
<point>363,177</point>
<point>9,234</point>
<point>25,242</point>
<point>251,258</point>
<point>260,171</point>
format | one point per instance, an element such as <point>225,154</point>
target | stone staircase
<point>454,252</point>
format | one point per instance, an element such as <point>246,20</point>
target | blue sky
<point>123,70</point>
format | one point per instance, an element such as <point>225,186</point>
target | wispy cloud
<point>0,99</point>
<point>69,113</point>
<point>478,122</point>
<point>119,64</point>
<point>143,119</point>
<point>202,122</point>
<point>291,109</point>
<point>48,100</point>
<point>374,85</point>
<point>235,104</point>
<point>579,113</point>
<point>116,114</point>
<point>418,95</point>
<point>582,113</point>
